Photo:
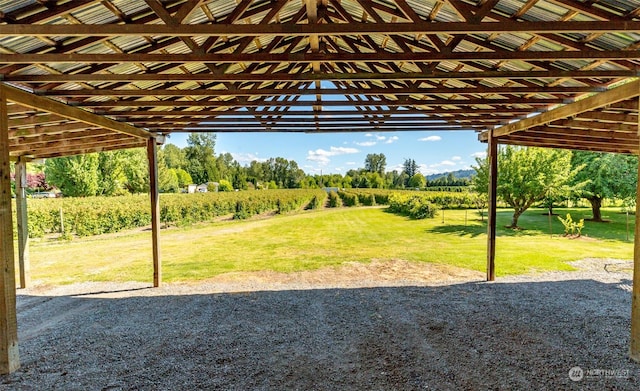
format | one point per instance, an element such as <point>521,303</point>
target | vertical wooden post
<point>152,155</point>
<point>23,226</point>
<point>634,348</point>
<point>9,358</point>
<point>491,218</point>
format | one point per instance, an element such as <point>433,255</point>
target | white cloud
<point>366,143</point>
<point>392,140</point>
<point>368,135</point>
<point>456,158</point>
<point>246,158</point>
<point>430,138</point>
<point>447,163</point>
<point>480,155</point>
<point>380,138</point>
<point>321,156</point>
<point>351,163</point>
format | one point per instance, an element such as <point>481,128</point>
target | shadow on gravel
<point>468,336</point>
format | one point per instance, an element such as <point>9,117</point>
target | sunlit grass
<point>327,238</point>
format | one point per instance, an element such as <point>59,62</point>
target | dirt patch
<point>400,326</point>
<point>349,275</point>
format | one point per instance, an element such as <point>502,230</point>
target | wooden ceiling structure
<point>80,76</point>
<point>313,66</point>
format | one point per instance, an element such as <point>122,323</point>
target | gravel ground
<point>400,327</point>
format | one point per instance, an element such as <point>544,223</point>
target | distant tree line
<point>126,172</point>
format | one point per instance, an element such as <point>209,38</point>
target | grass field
<point>327,238</point>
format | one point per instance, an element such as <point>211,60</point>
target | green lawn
<point>329,237</point>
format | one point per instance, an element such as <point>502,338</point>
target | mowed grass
<point>331,237</point>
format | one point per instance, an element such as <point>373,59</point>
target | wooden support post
<point>23,226</point>
<point>9,358</point>
<point>491,220</point>
<point>152,154</point>
<point>634,349</point>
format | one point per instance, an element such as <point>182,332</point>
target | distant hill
<point>460,174</point>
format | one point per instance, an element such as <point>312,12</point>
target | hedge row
<point>445,200</point>
<point>98,215</point>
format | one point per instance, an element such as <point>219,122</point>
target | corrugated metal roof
<point>143,75</point>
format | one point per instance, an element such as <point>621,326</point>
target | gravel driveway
<point>298,332</point>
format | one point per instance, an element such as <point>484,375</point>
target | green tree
<point>184,179</point>
<point>168,180</point>
<point>225,185</point>
<point>410,167</point>
<point>174,156</point>
<point>111,172</point>
<point>417,181</point>
<point>605,175</point>
<point>75,176</point>
<point>200,156</point>
<point>525,176</point>
<point>375,162</point>
<point>136,170</point>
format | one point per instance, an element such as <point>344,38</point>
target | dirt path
<point>398,326</point>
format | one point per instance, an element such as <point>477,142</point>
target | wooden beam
<point>304,57</point>
<point>295,29</point>
<point>611,135</point>
<point>612,148</point>
<point>320,91</point>
<point>9,357</point>
<point>22,223</point>
<point>70,143</point>
<point>575,142</point>
<point>326,103</point>
<point>152,155</point>
<point>320,128</point>
<point>472,113</point>
<point>609,117</point>
<point>634,346</point>
<point>492,155</point>
<point>602,99</point>
<point>44,137</point>
<point>409,119</point>
<point>357,76</point>
<point>83,150</point>
<point>33,120</point>
<point>50,130</point>
<point>51,106</point>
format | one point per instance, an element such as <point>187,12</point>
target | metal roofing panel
<point>9,6</point>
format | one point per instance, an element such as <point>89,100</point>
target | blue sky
<point>434,151</point>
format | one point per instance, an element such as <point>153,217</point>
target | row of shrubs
<point>417,205</point>
<point>370,197</point>
<point>99,215</point>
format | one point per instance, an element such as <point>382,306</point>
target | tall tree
<point>111,176</point>
<point>409,169</point>
<point>525,176</point>
<point>375,162</point>
<point>136,170</point>
<point>199,154</point>
<point>605,175</point>
<point>75,176</point>
<point>174,156</point>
